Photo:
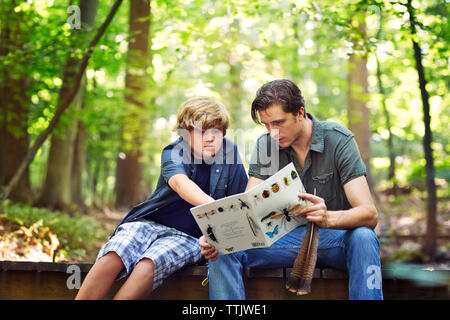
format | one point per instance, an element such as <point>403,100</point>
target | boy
<point>159,236</point>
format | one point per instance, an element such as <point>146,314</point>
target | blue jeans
<point>356,251</point>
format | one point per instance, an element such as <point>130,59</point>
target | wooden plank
<point>36,281</point>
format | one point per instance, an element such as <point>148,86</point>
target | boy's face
<point>206,143</point>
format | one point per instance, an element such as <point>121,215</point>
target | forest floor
<point>401,226</point>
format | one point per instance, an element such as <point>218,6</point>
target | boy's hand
<point>209,251</point>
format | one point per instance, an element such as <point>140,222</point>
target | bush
<point>76,234</point>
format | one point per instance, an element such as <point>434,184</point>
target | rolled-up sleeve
<point>172,161</point>
<point>349,162</point>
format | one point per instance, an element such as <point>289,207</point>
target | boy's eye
<point>212,131</point>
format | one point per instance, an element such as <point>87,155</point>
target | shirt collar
<point>317,138</point>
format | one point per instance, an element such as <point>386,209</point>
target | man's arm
<point>362,214</point>
<point>188,190</point>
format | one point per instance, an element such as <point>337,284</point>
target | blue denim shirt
<point>227,177</point>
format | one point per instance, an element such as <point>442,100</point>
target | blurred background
<point>378,67</point>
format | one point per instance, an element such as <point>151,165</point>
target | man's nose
<point>273,132</point>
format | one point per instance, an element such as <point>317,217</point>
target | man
<point>327,158</point>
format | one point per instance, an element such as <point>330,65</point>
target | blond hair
<point>202,113</point>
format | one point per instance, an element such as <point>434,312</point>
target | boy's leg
<point>100,278</point>
<point>139,284</point>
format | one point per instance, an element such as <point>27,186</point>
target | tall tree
<point>357,89</point>
<point>89,12</point>
<point>56,192</point>
<point>430,243</point>
<point>62,105</point>
<point>390,139</point>
<point>130,187</point>
<point>14,99</point>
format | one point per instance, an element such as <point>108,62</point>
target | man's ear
<point>301,112</point>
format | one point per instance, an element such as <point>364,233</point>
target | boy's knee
<point>111,260</point>
<point>145,268</point>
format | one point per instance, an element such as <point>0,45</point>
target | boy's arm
<point>208,250</point>
<point>188,190</point>
<point>253,181</point>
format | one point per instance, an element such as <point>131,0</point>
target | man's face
<point>283,127</point>
<point>205,143</point>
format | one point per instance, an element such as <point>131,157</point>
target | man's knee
<point>363,236</point>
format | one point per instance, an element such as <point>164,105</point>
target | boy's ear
<point>184,134</point>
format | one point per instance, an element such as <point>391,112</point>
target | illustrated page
<point>256,218</point>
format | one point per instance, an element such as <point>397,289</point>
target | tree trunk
<point>234,93</point>
<point>56,192</point>
<point>62,105</point>
<point>78,163</point>
<point>130,188</point>
<point>430,241</point>
<point>89,12</point>
<point>14,106</point>
<point>390,140</point>
<point>357,94</point>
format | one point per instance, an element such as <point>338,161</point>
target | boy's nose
<point>208,137</point>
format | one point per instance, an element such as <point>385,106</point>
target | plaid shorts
<point>168,248</point>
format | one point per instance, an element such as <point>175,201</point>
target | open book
<point>256,218</point>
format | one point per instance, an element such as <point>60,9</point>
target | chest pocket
<point>325,187</point>
<point>221,188</point>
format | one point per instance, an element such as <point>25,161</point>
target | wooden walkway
<point>56,281</point>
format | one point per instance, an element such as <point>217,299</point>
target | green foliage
<point>76,234</point>
<point>227,49</point>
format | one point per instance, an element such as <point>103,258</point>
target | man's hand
<point>209,251</point>
<point>317,212</point>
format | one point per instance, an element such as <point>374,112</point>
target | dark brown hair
<point>284,93</point>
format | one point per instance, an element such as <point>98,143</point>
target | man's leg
<point>226,273</point>
<point>363,263</point>
<point>357,252</point>
<point>225,277</point>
